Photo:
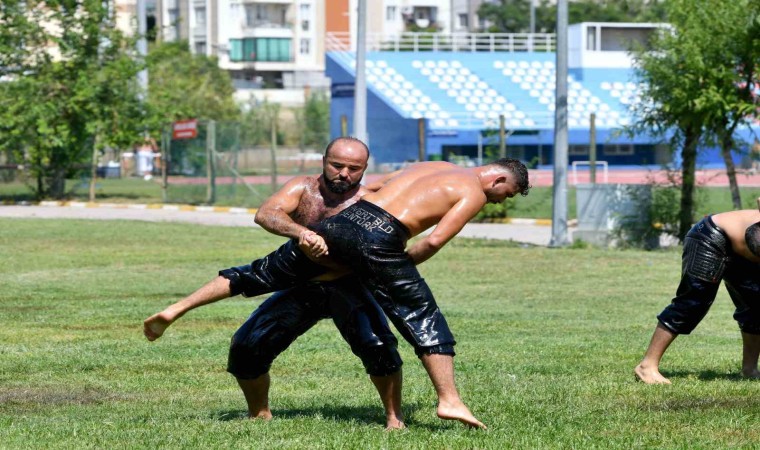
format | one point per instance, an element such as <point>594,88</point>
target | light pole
<point>360,88</point>
<point>559,195</point>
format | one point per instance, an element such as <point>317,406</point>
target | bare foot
<point>155,325</point>
<point>650,375</point>
<point>753,374</point>
<point>458,411</point>
<point>394,424</point>
<point>265,415</point>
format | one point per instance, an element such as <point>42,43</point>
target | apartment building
<point>281,44</point>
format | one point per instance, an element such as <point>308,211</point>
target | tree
<point>734,49</point>
<point>314,121</point>
<point>690,83</point>
<point>183,86</point>
<point>69,86</point>
<point>513,16</point>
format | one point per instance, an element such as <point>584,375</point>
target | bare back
<point>421,194</point>
<point>735,224</point>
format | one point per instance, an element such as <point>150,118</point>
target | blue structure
<point>461,95</point>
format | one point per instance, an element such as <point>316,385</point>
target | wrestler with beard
<point>293,212</point>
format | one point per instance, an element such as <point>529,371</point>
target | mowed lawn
<point>547,342</point>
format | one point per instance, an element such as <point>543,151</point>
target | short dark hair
<point>752,238</point>
<point>345,138</point>
<point>519,171</point>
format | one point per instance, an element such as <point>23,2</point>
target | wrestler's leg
<point>440,369</point>
<point>648,369</point>
<point>282,269</point>
<point>750,353</point>
<point>744,289</point>
<point>362,324</point>
<point>389,389</point>
<point>270,330</point>
<point>411,306</point>
<point>256,393</point>
<point>700,262</point>
<point>215,290</point>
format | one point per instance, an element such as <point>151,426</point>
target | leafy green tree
<point>513,16</point>
<point>186,86</point>
<point>733,52</point>
<point>314,121</point>
<point>690,83</point>
<point>69,87</point>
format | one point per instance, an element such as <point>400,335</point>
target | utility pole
<point>559,205</point>
<point>360,88</point>
<point>142,47</point>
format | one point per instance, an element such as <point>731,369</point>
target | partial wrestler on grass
<point>725,247</point>
<point>291,212</point>
<point>370,239</point>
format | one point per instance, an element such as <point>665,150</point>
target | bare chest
<point>314,208</point>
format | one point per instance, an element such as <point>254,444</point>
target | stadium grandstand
<point>445,97</point>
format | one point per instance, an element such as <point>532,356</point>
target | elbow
<point>434,244</point>
<point>259,217</point>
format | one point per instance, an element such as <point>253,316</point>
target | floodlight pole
<point>142,47</point>
<point>360,88</point>
<point>559,204</point>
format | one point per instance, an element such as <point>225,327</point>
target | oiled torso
<point>317,203</point>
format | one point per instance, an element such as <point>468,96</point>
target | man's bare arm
<point>448,227</point>
<point>274,213</point>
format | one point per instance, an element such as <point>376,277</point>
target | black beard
<point>339,187</point>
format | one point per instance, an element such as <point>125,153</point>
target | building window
<point>390,13</point>
<point>464,21</point>
<point>618,149</point>
<point>304,47</point>
<point>305,16</point>
<point>260,49</point>
<point>200,48</point>
<point>173,24</point>
<point>591,38</point>
<point>578,150</point>
<point>200,17</point>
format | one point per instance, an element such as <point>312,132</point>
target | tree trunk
<point>688,181</point>
<point>94,168</point>
<point>726,145</point>
<point>57,183</point>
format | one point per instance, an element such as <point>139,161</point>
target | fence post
<point>592,148</point>
<point>273,152</point>
<point>210,173</point>
<point>421,134</point>
<point>165,143</point>
<point>502,137</point>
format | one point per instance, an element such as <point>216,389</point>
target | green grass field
<point>547,341</point>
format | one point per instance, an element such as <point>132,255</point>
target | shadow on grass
<point>370,415</point>
<point>706,375</point>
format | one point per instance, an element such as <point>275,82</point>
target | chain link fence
<point>219,166</point>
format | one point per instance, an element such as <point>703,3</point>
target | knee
<point>750,327</point>
<point>441,349</point>
<point>248,360</point>
<point>381,361</point>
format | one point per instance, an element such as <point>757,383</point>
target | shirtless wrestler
<point>370,237</point>
<point>726,247</point>
<point>276,323</point>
